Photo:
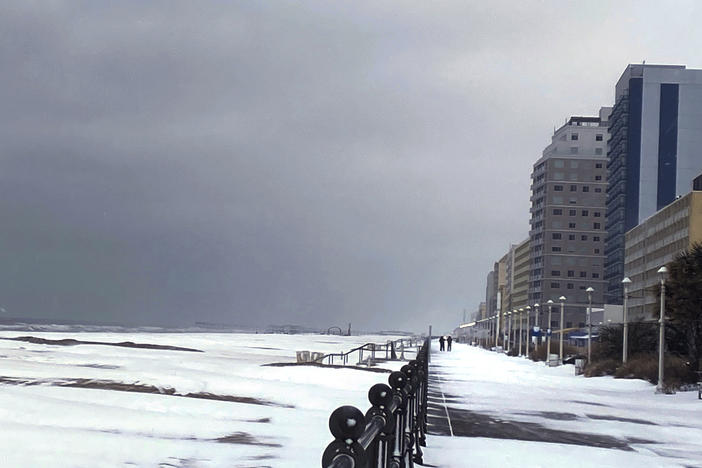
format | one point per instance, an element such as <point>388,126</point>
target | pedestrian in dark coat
<point>448,341</point>
<point>441,343</point>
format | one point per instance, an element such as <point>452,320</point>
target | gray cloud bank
<point>285,162</point>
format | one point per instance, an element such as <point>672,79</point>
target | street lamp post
<point>560,339</point>
<point>520,330</point>
<point>589,291</point>
<point>662,273</point>
<point>508,329</point>
<point>512,328</point>
<point>548,332</point>
<point>625,318</point>
<point>528,334</point>
<point>537,323</point>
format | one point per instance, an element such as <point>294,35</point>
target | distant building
<point>482,311</point>
<point>518,269</point>
<point>491,293</point>
<point>569,184</point>
<point>654,243</point>
<point>502,291</point>
<point>654,152</point>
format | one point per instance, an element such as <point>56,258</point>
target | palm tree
<point>684,300</point>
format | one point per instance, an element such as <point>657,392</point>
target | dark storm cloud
<point>268,162</point>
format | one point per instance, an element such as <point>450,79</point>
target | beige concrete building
<point>502,291</point>
<point>519,275</point>
<point>654,243</point>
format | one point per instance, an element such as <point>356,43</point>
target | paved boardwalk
<point>500,411</point>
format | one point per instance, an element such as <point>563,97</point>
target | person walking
<point>441,343</point>
<point>448,342</point>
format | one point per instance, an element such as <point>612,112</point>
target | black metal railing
<point>393,430</point>
<point>371,351</point>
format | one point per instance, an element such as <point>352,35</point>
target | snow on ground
<point>516,389</point>
<point>45,424</point>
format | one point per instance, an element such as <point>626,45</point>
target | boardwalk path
<point>498,411</point>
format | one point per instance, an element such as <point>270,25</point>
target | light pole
<point>589,291</point>
<point>520,330</point>
<point>560,339</point>
<point>548,333</point>
<point>512,329</point>
<point>537,324</point>
<point>508,329</point>
<point>625,318</point>
<point>528,334</point>
<point>662,273</point>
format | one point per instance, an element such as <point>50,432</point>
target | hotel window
<point>556,285</point>
<point>584,213</point>
<point>595,275</point>
<point>571,212</point>
<point>571,225</point>
<point>595,225</point>
<point>598,150</point>
<point>555,249</point>
<point>599,137</point>
<point>573,150</point>
<point>574,137</point>
<point>574,164</point>
<point>557,211</point>
<point>556,235</point>
<point>583,238</point>
<point>598,165</point>
<point>570,285</point>
<point>597,251</point>
<point>598,190</point>
<point>598,177</point>
<point>597,214</point>
<point>583,274</point>
<point>596,238</point>
<point>586,188</point>
<point>571,273</point>
<point>573,188</point>
<point>555,273</point>
<point>571,236</point>
<point>558,163</point>
<point>557,188</point>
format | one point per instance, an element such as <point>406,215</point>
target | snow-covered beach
<point>94,405</point>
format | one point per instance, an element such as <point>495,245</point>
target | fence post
<point>346,424</point>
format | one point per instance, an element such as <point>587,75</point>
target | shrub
<point>601,367</point>
<point>678,371</point>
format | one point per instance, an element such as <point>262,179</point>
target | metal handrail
<point>393,430</point>
<point>373,347</point>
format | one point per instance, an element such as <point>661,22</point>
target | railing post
<point>346,424</point>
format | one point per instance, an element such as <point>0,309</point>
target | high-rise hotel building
<point>569,185</point>
<point>655,151</point>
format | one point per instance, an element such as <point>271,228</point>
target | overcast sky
<point>314,163</point>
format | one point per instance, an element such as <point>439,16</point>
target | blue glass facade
<point>623,163</point>
<point>667,145</point>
